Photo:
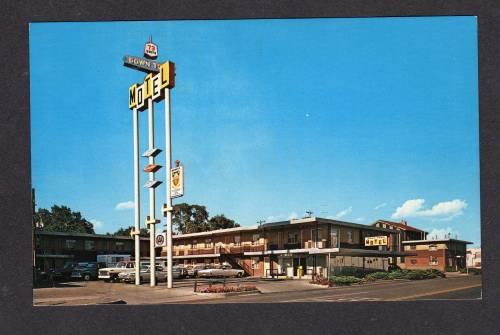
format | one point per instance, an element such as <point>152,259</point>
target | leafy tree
<point>63,219</point>
<point>190,218</point>
<point>221,222</point>
<point>126,232</point>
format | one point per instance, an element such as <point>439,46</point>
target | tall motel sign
<point>155,87</point>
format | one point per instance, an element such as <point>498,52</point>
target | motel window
<point>119,245</point>
<point>194,245</point>
<point>433,260</point>
<point>70,244</point>
<point>349,236</point>
<point>255,239</point>
<point>208,243</point>
<point>237,240</point>
<point>334,236</point>
<point>293,238</point>
<point>89,245</point>
<point>432,247</point>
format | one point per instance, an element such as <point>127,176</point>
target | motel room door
<point>300,260</point>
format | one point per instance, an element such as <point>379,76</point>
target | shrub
<point>345,280</point>
<point>226,289</point>
<point>377,275</point>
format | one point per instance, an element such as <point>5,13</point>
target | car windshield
<point>121,264</point>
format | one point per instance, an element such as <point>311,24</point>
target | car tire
<point>114,279</point>
<point>239,275</point>
<point>86,277</point>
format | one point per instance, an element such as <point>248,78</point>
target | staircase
<point>235,262</point>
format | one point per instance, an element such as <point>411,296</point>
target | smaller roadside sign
<point>142,64</point>
<point>177,182</point>
<point>375,241</point>
<point>161,240</point>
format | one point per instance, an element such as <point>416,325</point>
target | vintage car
<point>111,274</point>
<point>145,273</point>
<point>223,271</point>
<point>192,270</point>
<point>86,270</point>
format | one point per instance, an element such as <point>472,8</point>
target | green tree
<point>126,232</point>
<point>190,218</point>
<point>221,222</point>
<point>63,219</point>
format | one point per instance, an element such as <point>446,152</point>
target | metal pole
<point>137,218</point>
<point>168,156</point>
<point>152,216</point>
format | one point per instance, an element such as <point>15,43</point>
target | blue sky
<point>355,119</point>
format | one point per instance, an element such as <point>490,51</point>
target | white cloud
<point>293,215</point>
<point>445,209</point>
<point>98,225</point>
<point>274,218</point>
<point>360,219</point>
<point>436,234</point>
<point>343,212</point>
<point>380,206</point>
<point>125,205</point>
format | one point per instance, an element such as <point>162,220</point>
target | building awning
<point>334,252</point>
<point>197,256</point>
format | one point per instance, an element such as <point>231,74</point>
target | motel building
<point>295,248</point>
<point>441,254</point>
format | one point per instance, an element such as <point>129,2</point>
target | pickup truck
<point>224,271</point>
<point>111,274</point>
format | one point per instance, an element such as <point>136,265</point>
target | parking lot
<point>99,292</point>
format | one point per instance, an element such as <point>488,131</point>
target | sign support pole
<point>168,156</point>
<point>137,217</point>
<point>152,216</point>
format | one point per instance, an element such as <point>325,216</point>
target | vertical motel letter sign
<point>152,87</point>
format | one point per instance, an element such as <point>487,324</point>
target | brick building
<point>443,254</point>
<point>404,233</point>
<point>319,246</point>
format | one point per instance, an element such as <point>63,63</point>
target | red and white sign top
<point>150,50</point>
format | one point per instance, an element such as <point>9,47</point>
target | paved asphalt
<point>461,287</point>
<point>84,293</point>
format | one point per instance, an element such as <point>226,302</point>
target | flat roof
<point>284,223</point>
<point>436,241</point>
<point>58,233</point>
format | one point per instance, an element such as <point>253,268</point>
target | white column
<point>137,214</point>
<point>168,155</point>
<point>151,196</point>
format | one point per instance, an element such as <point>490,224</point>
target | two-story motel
<point>314,245</point>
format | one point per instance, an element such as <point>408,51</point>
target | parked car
<point>192,270</point>
<point>145,273</point>
<point>86,270</point>
<point>223,271</point>
<point>64,273</point>
<point>111,273</point>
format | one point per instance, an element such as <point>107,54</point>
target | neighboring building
<point>474,258</point>
<point>319,246</point>
<point>442,254</point>
<point>404,233</point>
<point>53,249</point>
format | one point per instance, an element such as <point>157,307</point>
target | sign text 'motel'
<point>152,87</point>
<point>143,64</point>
